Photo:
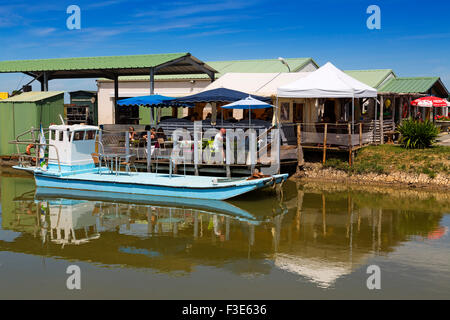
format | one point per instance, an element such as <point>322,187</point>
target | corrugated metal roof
<point>235,66</point>
<point>32,96</point>
<point>108,67</point>
<point>410,85</point>
<point>85,63</point>
<point>372,78</point>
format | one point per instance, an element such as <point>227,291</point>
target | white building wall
<point>129,89</point>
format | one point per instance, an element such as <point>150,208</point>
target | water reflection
<point>315,234</point>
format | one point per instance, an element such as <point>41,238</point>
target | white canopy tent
<point>327,82</point>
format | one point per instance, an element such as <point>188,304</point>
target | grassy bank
<point>386,159</point>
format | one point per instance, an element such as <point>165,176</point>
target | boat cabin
<point>74,145</point>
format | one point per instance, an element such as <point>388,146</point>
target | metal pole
<point>152,80</point>
<point>116,95</point>
<point>353,114</point>
<point>45,81</point>
<point>149,151</point>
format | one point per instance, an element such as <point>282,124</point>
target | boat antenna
<point>62,120</point>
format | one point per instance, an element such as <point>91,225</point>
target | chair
<point>129,163</point>
<point>97,158</point>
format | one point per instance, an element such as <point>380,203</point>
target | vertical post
<point>353,114</point>
<point>149,151</point>
<point>375,120</point>
<point>197,154</point>
<point>45,82</point>
<point>116,95</point>
<point>278,146</point>
<point>325,132</point>
<point>350,151</point>
<point>100,139</point>
<point>401,110</point>
<point>360,135</point>
<point>393,110</point>
<point>381,120</point>
<point>300,160</point>
<point>152,81</point>
<point>409,107</point>
<point>127,143</point>
<point>228,154</point>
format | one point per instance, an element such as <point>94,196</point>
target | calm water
<point>313,241</point>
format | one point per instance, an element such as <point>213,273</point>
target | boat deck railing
<point>26,160</point>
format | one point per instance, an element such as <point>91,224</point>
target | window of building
<point>284,111</point>
<point>298,112</point>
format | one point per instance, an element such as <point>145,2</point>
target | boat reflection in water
<point>76,216</point>
<point>313,235</point>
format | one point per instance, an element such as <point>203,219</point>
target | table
<point>115,158</point>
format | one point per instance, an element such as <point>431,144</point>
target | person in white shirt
<point>218,143</point>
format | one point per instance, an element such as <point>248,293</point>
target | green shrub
<point>417,135</point>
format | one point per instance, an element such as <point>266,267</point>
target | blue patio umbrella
<point>248,103</point>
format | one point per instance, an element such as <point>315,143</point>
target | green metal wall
<point>18,117</point>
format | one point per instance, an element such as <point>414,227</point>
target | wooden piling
<point>325,132</point>
<point>350,149</point>
<point>300,160</point>
<point>360,135</point>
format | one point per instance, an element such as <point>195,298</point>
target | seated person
<point>160,133</point>
<point>132,134</point>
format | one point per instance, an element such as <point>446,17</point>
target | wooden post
<point>375,121</point>
<point>401,110</point>
<point>300,160</point>
<point>409,107</point>
<point>381,120</point>
<point>360,135</point>
<point>350,160</point>
<point>325,131</point>
<point>393,110</point>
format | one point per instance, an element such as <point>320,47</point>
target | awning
<point>327,82</point>
<point>154,100</point>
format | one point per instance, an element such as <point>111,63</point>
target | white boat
<point>70,165</point>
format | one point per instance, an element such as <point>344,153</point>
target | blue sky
<point>414,39</point>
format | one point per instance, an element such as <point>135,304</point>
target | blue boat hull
<point>212,193</point>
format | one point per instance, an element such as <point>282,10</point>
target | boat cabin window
<point>52,135</point>
<point>61,136</point>
<point>90,135</point>
<point>78,135</point>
